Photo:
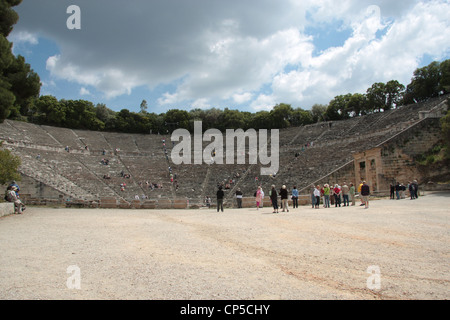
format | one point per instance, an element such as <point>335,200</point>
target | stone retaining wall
<point>6,208</point>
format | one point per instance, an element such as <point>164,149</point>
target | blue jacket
<point>295,193</point>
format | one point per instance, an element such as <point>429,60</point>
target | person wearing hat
<point>12,196</point>
<point>284,198</point>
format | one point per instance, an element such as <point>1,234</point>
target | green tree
<point>394,91</point>
<point>445,123</point>
<point>25,83</point>
<point>9,165</point>
<point>8,17</point>
<point>318,112</point>
<point>425,83</point>
<point>280,116</point>
<point>338,108</point>
<point>48,110</point>
<point>261,120</point>
<point>357,105</point>
<point>175,119</point>
<point>7,98</point>
<point>144,106</point>
<point>445,76</point>
<point>301,117</point>
<point>376,96</point>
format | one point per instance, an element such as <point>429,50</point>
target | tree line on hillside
<point>20,100</point>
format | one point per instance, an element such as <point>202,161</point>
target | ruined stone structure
<point>380,148</point>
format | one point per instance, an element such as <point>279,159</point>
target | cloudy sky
<point>241,54</point>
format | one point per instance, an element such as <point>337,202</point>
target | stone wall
<point>6,208</point>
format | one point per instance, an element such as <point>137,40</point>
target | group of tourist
<point>398,190</point>
<point>336,195</point>
<point>12,195</point>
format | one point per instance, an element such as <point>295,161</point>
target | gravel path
<point>236,255</point>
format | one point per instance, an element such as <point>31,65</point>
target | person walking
<point>220,195</point>
<point>284,198</point>
<point>274,199</point>
<point>295,197</point>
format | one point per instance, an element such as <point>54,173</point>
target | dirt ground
<point>396,249</point>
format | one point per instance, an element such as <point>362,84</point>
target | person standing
<point>258,197</point>
<point>352,192</point>
<point>295,197</point>
<point>416,189</point>
<point>345,191</point>
<point>239,198</point>
<point>365,194</point>
<point>359,192</point>
<point>411,190</point>
<point>337,196</point>
<point>220,195</point>
<point>397,190</point>
<point>326,195</point>
<point>313,197</point>
<point>261,204</point>
<point>274,199</point>
<point>284,198</point>
<point>317,197</point>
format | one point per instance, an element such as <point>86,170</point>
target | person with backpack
<point>11,196</point>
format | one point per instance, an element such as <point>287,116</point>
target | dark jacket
<point>283,194</point>
<point>220,194</point>
<point>365,190</point>
<point>273,195</point>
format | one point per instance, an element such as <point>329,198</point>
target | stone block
<point>6,209</point>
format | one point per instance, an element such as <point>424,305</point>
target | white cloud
<point>212,52</point>
<point>23,37</point>
<point>241,98</point>
<point>84,92</point>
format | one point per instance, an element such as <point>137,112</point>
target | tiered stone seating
<point>79,173</point>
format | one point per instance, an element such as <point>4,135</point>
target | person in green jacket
<point>326,195</point>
